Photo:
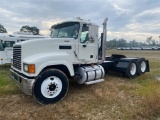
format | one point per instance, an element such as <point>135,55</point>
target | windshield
<point>9,43</point>
<point>65,30</point>
<point>1,46</point>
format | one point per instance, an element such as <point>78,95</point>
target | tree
<point>122,43</point>
<point>2,29</point>
<point>27,28</point>
<point>149,40</point>
<point>134,43</point>
<point>153,42</point>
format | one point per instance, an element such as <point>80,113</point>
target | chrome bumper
<point>23,83</point>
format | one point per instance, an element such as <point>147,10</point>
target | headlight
<point>25,67</point>
<point>30,68</point>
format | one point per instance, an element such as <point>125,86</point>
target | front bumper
<point>25,84</point>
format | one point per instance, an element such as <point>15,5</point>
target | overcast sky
<point>129,19</point>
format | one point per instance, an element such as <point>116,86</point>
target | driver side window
<point>84,34</point>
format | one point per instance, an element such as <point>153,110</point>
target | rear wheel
<point>131,70</point>
<point>50,86</point>
<point>141,66</point>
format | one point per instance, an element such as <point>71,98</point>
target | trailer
<point>42,68</point>
<point>8,40</point>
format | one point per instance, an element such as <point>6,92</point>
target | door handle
<point>66,41</point>
<point>84,45</point>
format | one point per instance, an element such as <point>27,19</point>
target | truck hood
<point>45,46</point>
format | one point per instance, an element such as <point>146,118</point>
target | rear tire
<point>50,86</point>
<point>141,66</point>
<point>131,70</point>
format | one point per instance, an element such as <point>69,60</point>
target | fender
<point>43,60</point>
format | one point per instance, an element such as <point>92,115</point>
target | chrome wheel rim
<point>133,69</point>
<point>51,87</point>
<point>143,66</point>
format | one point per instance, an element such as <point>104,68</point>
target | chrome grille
<point>17,57</point>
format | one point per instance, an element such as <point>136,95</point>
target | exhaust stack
<point>104,39</point>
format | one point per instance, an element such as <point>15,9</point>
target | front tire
<point>50,86</point>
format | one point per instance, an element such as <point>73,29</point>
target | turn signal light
<point>31,68</point>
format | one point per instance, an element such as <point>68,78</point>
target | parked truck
<point>42,68</point>
<point>8,40</point>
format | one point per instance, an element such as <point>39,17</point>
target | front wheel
<point>50,86</point>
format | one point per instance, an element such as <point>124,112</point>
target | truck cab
<point>73,45</point>
<point>8,40</point>
<point>6,50</point>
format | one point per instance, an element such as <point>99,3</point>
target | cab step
<point>93,82</point>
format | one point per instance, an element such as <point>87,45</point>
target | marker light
<point>30,68</point>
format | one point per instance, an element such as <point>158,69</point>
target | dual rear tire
<point>131,70</point>
<point>136,68</point>
<point>142,66</point>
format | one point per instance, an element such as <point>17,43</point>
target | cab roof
<point>79,21</point>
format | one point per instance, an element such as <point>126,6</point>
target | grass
<point>6,85</point>
<point>116,98</point>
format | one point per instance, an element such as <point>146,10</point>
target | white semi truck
<point>42,67</point>
<point>7,41</point>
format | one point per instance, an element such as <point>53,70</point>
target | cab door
<point>87,48</point>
